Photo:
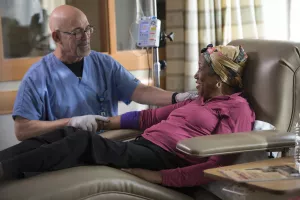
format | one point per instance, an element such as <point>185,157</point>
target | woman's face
<point>206,79</point>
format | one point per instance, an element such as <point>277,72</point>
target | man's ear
<point>56,37</point>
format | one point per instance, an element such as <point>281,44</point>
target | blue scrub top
<point>51,91</point>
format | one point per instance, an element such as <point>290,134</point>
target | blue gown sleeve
<point>125,83</point>
<point>28,103</point>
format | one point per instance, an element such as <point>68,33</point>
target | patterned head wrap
<point>227,61</point>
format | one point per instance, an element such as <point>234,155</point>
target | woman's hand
<point>148,175</point>
<point>112,123</point>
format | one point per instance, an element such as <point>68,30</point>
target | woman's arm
<point>139,119</point>
<point>193,175</point>
<point>189,176</point>
<point>112,124</point>
<point>151,117</point>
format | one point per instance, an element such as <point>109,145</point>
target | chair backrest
<point>272,81</point>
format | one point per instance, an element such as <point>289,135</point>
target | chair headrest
<point>272,81</point>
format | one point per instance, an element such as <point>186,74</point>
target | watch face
<point>103,114</point>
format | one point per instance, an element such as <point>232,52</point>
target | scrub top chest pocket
<point>105,108</point>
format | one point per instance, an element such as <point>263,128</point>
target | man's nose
<point>84,36</point>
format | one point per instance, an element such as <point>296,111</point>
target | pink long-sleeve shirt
<point>168,125</point>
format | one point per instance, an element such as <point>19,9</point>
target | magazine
<point>271,173</point>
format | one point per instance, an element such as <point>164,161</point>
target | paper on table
<point>271,173</point>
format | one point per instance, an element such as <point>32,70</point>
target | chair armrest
<point>222,144</point>
<point>121,134</point>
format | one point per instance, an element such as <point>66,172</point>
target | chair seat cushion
<point>86,182</point>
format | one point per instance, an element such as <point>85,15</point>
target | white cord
<point>133,43</point>
<point>139,10</point>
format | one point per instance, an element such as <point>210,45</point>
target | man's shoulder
<point>104,61</point>
<point>101,56</point>
<point>38,69</point>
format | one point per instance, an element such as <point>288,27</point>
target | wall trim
<point>15,69</point>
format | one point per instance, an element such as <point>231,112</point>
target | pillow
<point>262,126</point>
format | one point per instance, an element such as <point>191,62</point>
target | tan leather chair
<point>272,80</point>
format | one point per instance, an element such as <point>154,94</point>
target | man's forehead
<point>80,27</point>
<point>76,23</point>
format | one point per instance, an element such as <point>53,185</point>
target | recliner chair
<point>272,82</point>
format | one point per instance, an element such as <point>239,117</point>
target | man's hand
<point>87,122</point>
<point>185,96</point>
<point>148,175</point>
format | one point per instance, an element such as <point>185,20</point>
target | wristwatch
<point>174,97</point>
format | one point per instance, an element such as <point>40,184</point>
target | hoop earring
<point>219,85</point>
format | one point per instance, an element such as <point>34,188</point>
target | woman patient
<point>220,109</point>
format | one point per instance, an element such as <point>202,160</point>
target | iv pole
<point>163,36</point>
<point>156,64</point>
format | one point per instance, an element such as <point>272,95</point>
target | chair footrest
<point>86,182</point>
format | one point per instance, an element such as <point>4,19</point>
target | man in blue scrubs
<point>75,86</point>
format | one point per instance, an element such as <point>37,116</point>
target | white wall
<point>128,12</point>
<point>277,25</point>
<point>7,135</point>
<point>125,18</point>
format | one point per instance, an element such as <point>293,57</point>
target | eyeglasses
<point>79,33</point>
